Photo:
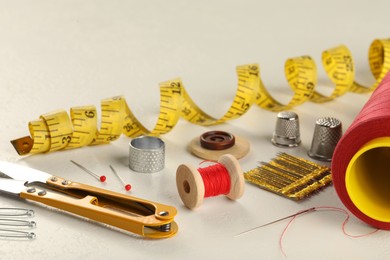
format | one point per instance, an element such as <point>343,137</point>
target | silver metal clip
<point>17,223</point>
<point>16,212</point>
<point>16,234</point>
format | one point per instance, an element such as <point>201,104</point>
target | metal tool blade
<point>19,172</point>
<point>12,186</point>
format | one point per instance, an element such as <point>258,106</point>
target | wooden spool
<point>190,184</point>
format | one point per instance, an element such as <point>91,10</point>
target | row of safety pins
<point>14,224</point>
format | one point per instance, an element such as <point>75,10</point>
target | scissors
<point>139,216</point>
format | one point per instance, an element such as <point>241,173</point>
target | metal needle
<point>101,178</point>
<point>127,186</point>
<point>275,221</point>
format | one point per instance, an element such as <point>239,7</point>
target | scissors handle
<point>135,215</point>
<point>109,198</point>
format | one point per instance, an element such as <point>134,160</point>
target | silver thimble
<point>146,154</point>
<point>286,132</point>
<point>327,133</point>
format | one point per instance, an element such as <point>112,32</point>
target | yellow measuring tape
<point>56,130</point>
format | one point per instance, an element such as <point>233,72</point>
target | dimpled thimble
<point>146,154</point>
<point>327,133</point>
<point>286,132</point>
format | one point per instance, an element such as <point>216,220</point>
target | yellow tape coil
<point>55,131</point>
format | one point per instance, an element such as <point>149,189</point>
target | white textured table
<point>61,54</point>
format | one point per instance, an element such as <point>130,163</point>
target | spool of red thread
<point>225,178</point>
<point>361,161</point>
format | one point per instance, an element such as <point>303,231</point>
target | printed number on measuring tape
<point>56,130</point>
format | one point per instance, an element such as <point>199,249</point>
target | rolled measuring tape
<point>361,161</point>
<point>55,131</point>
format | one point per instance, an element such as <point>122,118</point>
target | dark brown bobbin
<point>217,140</point>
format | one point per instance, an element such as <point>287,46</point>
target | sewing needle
<point>275,221</point>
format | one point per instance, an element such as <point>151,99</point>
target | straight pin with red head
<point>126,185</point>
<point>100,178</point>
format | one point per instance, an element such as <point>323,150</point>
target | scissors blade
<point>14,187</point>
<point>19,172</point>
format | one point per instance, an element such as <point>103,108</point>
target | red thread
<point>283,233</point>
<point>372,122</point>
<point>323,208</point>
<point>216,180</point>
<point>346,221</point>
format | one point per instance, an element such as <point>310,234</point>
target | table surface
<point>62,54</point>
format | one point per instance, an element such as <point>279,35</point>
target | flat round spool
<point>237,181</point>
<point>238,150</point>
<point>190,186</point>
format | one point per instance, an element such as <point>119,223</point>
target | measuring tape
<point>56,130</point>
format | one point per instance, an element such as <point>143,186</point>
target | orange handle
<point>111,199</point>
<point>112,211</point>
